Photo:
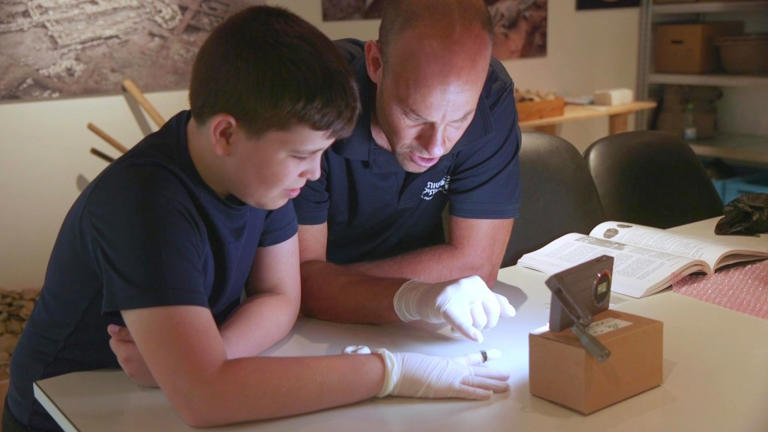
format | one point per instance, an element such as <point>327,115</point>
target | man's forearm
<point>340,293</point>
<point>432,264</point>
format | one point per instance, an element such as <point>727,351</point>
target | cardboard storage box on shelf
<point>745,54</point>
<point>562,371</point>
<point>675,123</point>
<point>672,117</point>
<point>534,110</point>
<point>690,48</point>
<point>681,95</point>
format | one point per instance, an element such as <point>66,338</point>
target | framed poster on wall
<point>343,10</point>
<point>602,4</point>
<point>70,48</point>
<point>520,26</point>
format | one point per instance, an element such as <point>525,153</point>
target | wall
<point>45,144</point>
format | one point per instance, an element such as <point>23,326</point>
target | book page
<point>637,271</point>
<point>662,240</point>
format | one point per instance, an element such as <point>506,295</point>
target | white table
<point>715,377</point>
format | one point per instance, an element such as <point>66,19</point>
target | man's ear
<point>374,62</point>
<point>221,127</point>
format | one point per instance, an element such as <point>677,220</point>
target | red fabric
<point>742,288</point>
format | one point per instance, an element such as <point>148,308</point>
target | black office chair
<point>651,178</point>
<point>557,195</point>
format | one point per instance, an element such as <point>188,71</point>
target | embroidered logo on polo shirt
<point>433,188</point>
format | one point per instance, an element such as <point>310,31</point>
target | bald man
<point>438,128</point>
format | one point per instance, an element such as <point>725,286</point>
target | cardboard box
<point>612,97</point>
<point>540,109</point>
<point>675,122</point>
<point>690,48</point>
<point>677,97</point>
<point>562,371</point>
<point>746,54</point>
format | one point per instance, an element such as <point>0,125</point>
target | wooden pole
<point>106,137</point>
<point>100,154</point>
<point>134,91</point>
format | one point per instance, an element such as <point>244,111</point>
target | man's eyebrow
<point>464,117</point>
<point>413,113</point>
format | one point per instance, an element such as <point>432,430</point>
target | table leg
<point>617,123</point>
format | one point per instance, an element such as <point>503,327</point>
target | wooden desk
<point>715,377</point>
<point>618,116</point>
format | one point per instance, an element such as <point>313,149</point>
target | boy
<point>165,239</point>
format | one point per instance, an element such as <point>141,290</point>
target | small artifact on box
<point>534,105</point>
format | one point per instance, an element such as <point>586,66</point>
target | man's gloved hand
<point>423,376</point>
<point>466,304</point>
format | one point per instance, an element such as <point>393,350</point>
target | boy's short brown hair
<point>271,70</point>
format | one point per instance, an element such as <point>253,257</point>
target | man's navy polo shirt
<point>375,209</point>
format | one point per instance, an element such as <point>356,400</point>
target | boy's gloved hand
<point>466,304</point>
<point>423,376</point>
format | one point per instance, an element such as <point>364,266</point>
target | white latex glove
<point>423,376</point>
<point>466,304</point>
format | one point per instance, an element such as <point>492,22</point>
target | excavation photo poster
<point>71,48</point>
<point>520,26</point>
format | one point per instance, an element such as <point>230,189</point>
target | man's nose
<point>431,140</point>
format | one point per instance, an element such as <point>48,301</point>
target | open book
<point>646,260</point>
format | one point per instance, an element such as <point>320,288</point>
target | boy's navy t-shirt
<point>146,232</point>
<point>374,209</point>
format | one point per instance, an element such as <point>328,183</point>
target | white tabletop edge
<point>53,409</point>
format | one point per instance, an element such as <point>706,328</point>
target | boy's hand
<point>411,374</point>
<point>466,304</point>
<point>128,356</point>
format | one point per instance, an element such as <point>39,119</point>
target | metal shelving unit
<point>721,80</point>
<point>743,149</point>
<point>709,7</point>
<point>736,147</point>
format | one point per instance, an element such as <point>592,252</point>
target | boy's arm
<point>264,318</point>
<point>364,292</point>
<point>186,354</point>
<point>270,310</point>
